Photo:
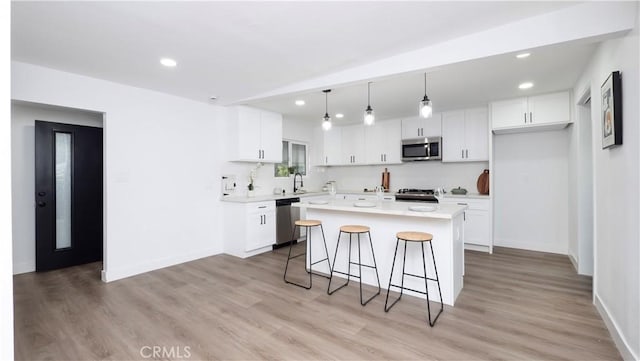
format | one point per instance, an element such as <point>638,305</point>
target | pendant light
<point>369,115</point>
<point>424,108</point>
<point>326,120</point>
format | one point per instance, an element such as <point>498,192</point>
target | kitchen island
<point>386,218</point>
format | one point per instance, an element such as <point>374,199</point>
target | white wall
<point>6,279</point>
<point>162,161</point>
<point>23,117</point>
<point>531,197</point>
<point>617,171</point>
<point>265,182</point>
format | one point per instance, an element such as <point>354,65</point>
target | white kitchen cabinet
<point>251,228</point>
<point>365,197</point>
<point>418,127</point>
<point>478,222</point>
<point>353,145</point>
<point>383,144</point>
<point>547,111</point>
<point>465,135</point>
<point>332,147</point>
<point>257,135</point>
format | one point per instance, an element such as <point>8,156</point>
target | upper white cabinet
<point>548,111</point>
<point>257,135</point>
<point>353,144</point>
<point>465,135</point>
<point>417,127</point>
<point>359,144</point>
<point>332,147</point>
<point>383,143</point>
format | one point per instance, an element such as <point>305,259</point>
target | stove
<point>416,195</point>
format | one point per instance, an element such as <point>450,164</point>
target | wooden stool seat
<point>415,236</point>
<point>308,222</point>
<point>354,229</point>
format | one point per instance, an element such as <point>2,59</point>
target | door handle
<point>42,204</point>
<point>42,194</point>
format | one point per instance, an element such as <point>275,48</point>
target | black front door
<point>68,195</point>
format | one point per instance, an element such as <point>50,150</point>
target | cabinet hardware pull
<point>461,153</point>
<point>530,117</point>
<point>262,207</point>
<point>385,157</point>
<point>466,153</point>
<point>326,160</point>
<point>525,118</point>
<point>462,204</point>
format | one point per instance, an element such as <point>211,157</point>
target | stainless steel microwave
<point>421,149</point>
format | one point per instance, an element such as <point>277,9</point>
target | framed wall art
<point>611,91</point>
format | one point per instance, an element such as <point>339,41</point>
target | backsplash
<point>422,175</point>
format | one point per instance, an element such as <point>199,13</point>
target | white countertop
<point>443,211</point>
<point>269,197</point>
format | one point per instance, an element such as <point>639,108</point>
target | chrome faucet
<point>295,189</point>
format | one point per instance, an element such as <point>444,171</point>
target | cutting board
<point>483,182</point>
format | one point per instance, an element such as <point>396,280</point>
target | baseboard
<point>612,326</point>
<point>476,247</point>
<point>574,262</point>
<point>111,275</point>
<point>549,248</point>
<point>24,267</point>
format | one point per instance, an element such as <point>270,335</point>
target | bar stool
<point>351,230</point>
<point>420,237</point>
<point>308,224</point>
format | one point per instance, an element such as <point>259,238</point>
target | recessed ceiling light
<point>300,102</point>
<point>523,55</point>
<point>526,85</point>
<point>339,115</point>
<point>168,62</point>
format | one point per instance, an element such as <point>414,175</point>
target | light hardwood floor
<point>515,305</point>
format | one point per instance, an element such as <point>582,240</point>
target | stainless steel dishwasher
<point>285,218</point>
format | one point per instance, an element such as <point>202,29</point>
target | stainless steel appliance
<point>285,218</point>
<point>416,195</point>
<point>421,149</point>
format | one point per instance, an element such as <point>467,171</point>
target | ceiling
<point>455,86</point>
<point>236,50</point>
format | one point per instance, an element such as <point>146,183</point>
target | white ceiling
<point>236,50</point>
<point>462,85</point>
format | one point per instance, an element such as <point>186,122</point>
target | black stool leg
<point>298,255</point>
<point>335,256</point>
<point>326,250</point>
<point>393,265</point>
<point>360,270</point>
<point>375,265</point>
<point>433,257</point>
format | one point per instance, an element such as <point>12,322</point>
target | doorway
<point>585,178</point>
<point>68,194</point>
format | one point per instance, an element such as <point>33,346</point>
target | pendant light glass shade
<point>424,107</point>
<point>326,120</point>
<point>369,114</point>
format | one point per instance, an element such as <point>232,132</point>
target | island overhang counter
<point>385,219</point>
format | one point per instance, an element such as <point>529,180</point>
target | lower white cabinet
<point>477,226</point>
<point>250,228</point>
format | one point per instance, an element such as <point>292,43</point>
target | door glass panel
<point>63,190</point>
